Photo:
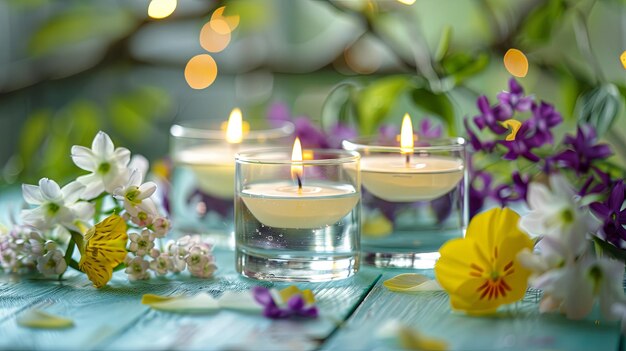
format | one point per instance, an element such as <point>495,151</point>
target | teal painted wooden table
<point>352,312</point>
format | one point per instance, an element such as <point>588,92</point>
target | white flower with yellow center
<point>55,206</point>
<point>106,163</point>
<point>136,196</point>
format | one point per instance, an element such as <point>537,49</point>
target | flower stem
<point>68,254</point>
<point>98,209</point>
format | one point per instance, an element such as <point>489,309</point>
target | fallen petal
<point>34,318</point>
<point>410,282</point>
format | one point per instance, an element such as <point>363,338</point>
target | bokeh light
<point>215,40</point>
<point>231,21</point>
<point>407,2</point>
<point>201,71</point>
<point>159,9</point>
<point>516,63</point>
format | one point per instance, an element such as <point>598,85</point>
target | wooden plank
<point>113,317</point>
<point>523,327</point>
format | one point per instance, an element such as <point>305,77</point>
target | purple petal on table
<point>263,296</point>
<point>310,312</point>
<point>296,303</point>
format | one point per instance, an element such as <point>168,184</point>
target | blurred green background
<point>69,68</point>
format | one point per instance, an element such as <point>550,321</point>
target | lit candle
<point>214,165</point>
<point>412,177</point>
<point>299,204</point>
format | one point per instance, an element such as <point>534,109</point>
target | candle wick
<point>408,160</point>
<point>299,183</point>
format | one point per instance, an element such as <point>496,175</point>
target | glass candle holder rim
<point>370,143</point>
<point>342,156</point>
<point>181,130</point>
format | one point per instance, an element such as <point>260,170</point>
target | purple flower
<point>338,133</point>
<point>480,188</point>
<point>582,150</point>
<point>597,183</point>
<point>310,135</point>
<point>506,194</point>
<point>427,129</point>
<point>525,141</point>
<point>612,215</point>
<point>544,118</point>
<point>387,134</point>
<point>295,306</point>
<point>514,100</point>
<point>474,140</point>
<point>491,117</point>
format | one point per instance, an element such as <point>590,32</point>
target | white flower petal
<point>83,210</point>
<point>561,187</point>
<point>72,192</point>
<point>35,217</point>
<point>121,157</point>
<point>139,162</point>
<point>136,177</point>
<point>148,206</point>
<point>115,179</point>
<point>84,158</point>
<point>533,224</point>
<point>146,190</point>
<point>50,190</point>
<point>93,186</point>
<point>102,146</point>
<point>539,196</point>
<point>32,194</point>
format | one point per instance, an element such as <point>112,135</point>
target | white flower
<point>141,244</point>
<point>55,206</point>
<point>619,311</point>
<point>556,213</point>
<point>573,287</point>
<point>161,226</point>
<point>161,264</point>
<point>52,263</point>
<point>200,262</point>
<point>20,248</point>
<point>137,269</point>
<point>136,196</point>
<point>107,164</point>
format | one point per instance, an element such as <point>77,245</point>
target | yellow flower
<point>481,271</point>
<point>104,249</point>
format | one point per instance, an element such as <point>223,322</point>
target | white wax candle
<point>214,167</point>
<point>283,205</point>
<point>425,178</point>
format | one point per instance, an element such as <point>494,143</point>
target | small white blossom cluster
<point>55,212</point>
<point>188,252</point>
<point>563,265</point>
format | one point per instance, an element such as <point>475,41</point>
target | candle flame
<point>406,135</point>
<point>234,130</point>
<point>296,167</point>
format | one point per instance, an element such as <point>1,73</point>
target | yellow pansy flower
<point>104,248</point>
<point>481,271</point>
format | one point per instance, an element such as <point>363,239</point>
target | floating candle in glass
<point>413,197</point>
<point>204,172</point>
<point>297,218</point>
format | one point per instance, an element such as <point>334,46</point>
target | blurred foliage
<point>80,73</point>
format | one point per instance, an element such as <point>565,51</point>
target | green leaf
<point>79,23</point>
<point>609,249</point>
<point>337,105</point>
<point>374,102</point>
<point>462,65</point>
<point>132,113</point>
<point>444,43</point>
<point>599,107</point>
<point>540,23</point>
<point>436,104</point>
<point>32,137</point>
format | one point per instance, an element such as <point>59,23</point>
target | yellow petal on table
<point>623,59</point>
<point>514,125</point>
<point>516,63</point>
<point>201,303</point>
<point>148,299</point>
<point>411,339</point>
<point>34,318</point>
<point>411,282</point>
<point>292,290</point>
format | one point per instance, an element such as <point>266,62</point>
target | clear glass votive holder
<point>203,176</point>
<point>297,220</point>
<point>412,202</point>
